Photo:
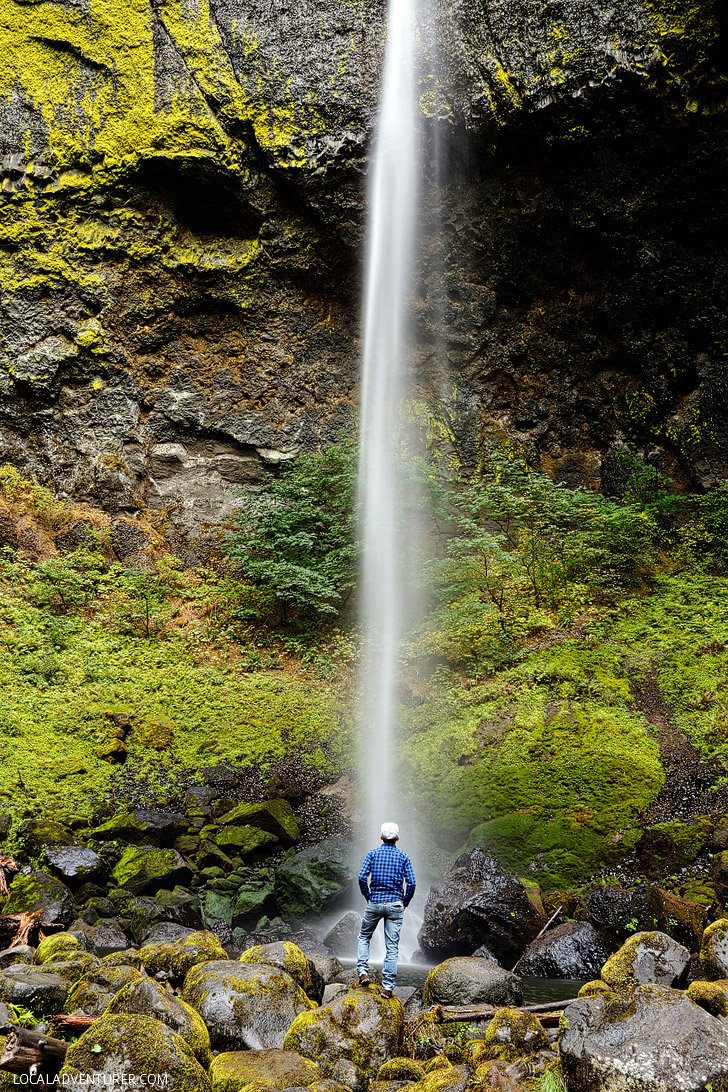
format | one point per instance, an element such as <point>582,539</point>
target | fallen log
<point>71,1023</point>
<point>451,1014</point>
<point>27,1053</point>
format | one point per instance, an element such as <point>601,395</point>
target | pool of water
<point>535,990</point>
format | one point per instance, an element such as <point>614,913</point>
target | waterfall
<point>386,598</point>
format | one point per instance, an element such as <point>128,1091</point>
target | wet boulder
<point>665,848</point>
<point>147,868</point>
<point>571,950</point>
<point>714,950</point>
<point>647,958</point>
<point>361,1027</point>
<point>314,879</point>
<point>34,987</point>
<point>711,996</point>
<point>119,1046</point>
<point>258,1070</point>
<point>245,1006</point>
<point>21,953</point>
<point>57,946</point>
<point>74,865</point>
<point>92,993</point>
<point>327,965</point>
<point>273,816</point>
<point>35,835</point>
<point>144,997</point>
<point>615,912</point>
<point>468,980</point>
<point>343,935</point>
<point>143,827</point>
<point>287,956</point>
<point>655,1039</point>
<point>251,902</point>
<point>145,913</point>
<point>39,891</point>
<point>509,1035</point>
<point>238,841</point>
<point>478,902</point>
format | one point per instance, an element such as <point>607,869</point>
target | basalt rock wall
<point>182,215</point>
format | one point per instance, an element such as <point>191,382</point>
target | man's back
<point>389,869</point>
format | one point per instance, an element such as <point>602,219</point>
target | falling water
<point>393,200</point>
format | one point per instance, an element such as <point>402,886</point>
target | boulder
<point>21,953</point>
<point>711,996</point>
<point>714,949</point>
<point>283,954</point>
<point>327,965</point>
<point>478,902</point>
<point>106,936</point>
<point>74,864</point>
<point>468,980</point>
<point>119,1046</point>
<point>165,932</point>
<point>59,945</point>
<point>509,1035</point>
<point>665,848</point>
<point>178,957</point>
<point>251,902</point>
<point>147,868</point>
<point>314,879</point>
<point>239,841</point>
<point>145,912</point>
<point>342,937</point>
<point>571,950</point>
<point>655,1039</point>
<point>362,1028</point>
<point>35,835</point>
<point>144,997</point>
<point>262,1071</point>
<point>647,958</point>
<point>245,1006</point>
<point>97,987</point>
<point>274,816</point>
<point>34,988</point>
<point>143,827</point>
<point>719,875</point>
<point>39,891</point>
<point>685,919</point>
<point>615,912</point>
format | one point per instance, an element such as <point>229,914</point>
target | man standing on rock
<point>387,882</point>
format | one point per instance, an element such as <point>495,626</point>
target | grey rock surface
<point>571,950</point>
<point>647,958</point>
<point>653,1040</point>
<point>467,980</point>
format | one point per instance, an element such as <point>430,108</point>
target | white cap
<point>389,831</point>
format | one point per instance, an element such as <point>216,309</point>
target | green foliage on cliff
<point>294,537</point>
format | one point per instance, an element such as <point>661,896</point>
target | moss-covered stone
<point>455,1079</point>
<point>593,989</point>
<point>125,1046</point>
<point>437,1063</point>
<point>714,950</point>
<point>143,997</point>
<point>238,841</point>
<point>274,816</point>
<point>35,835</point>
<point>665,848</point>
<point>252,901</point>
<point>147,868</point>
<point>39,891</point>
<point>283,954</point>
<point>646,958</point>
<point>52,947</point>
<point>262,1071</point>
<point>200,947</point>
<point>361,1026</point>
<point>35,988</point>
<point>401,1069</point>
<point>511,1034</point>
<point>245,1006</point>
<point>93,992</point>
<point>131,957</point>
<point>157,957</point>
<point>711,996</point>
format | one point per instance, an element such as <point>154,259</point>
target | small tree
<point>294,537</point>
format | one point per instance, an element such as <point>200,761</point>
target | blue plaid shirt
<point>388,867</point>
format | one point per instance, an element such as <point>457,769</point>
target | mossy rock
<point>52,948</point>
<point>401,1069</point>
<point>245,1006</point>
<point>274,816</point>
<point>202,946</point>
<point>665,848</point>
<point>455,1079</point>
<point>39,891</point>
<point>362,1026</point>
<point>123,1045</point>
<point>714,950</point>
<point>8,1081</point>
<point>646,959</point>
<point>685,919</point>
<point>94,991</point>
<point>513,1033</point>
<point>147,998</point>
<point>238,841</point>
<point>711,996</point>
<point>29,986</point>
<point>147,868</point>
<point>252,901</point>
<point>261,1071</point>
<point>435,1064</point>
<point>283,954</point>
<point>157,957</point>
<point>128,958</point>
<point>35,835</point>
<point>313,879</point>
<point>72,969</point>
<point>593,989</point>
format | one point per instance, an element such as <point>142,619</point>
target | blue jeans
<point>393,913</point>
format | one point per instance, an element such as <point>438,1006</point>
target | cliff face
<point>181,218</point>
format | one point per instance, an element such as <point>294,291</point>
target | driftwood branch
<point>450,1014</point>
<point>72,1024</point>
<point>29,1054</point>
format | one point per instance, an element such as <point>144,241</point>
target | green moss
<point>262,1071</point>
<point>513,1033</point>
<point>665,848</point>
<point>402,1069</point>
<point>56,946</point>
<point>711,996</point>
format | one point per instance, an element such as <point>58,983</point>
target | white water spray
<point>393,202</point>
